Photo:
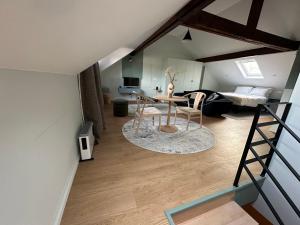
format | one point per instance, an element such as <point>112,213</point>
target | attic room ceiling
<point>205,44</point>
<point>235,19</point>
<point>218,6</point>
<point>277,16</point>
<point>66,36</point>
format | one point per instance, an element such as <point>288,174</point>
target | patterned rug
<point>194,140</point>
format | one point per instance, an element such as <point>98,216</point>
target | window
<point>249,68</point>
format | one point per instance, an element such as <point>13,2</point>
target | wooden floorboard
<point>229,213</point>
<point>128,185</point>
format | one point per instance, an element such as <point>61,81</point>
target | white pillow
<point>263,92</point>
<point>243,90</point>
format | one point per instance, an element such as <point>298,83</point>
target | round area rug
<point>194,140</point>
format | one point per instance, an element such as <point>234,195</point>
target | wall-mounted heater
<point>86,141</point>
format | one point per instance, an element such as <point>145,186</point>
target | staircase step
<point>228,214</point>
<point>256,215</point>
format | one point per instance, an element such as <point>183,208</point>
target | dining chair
<point>145,111</point>
<point>192,112</point>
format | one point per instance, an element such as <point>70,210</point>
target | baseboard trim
<point>65,195</point>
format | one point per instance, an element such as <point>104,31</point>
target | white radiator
<point>86,141</point>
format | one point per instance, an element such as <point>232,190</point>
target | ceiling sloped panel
<point>277,16</point>
<point>235,10</point>
<point>281,18</point>
<point>66,36</point>
<point>205,44</point>
<point>274,67</point>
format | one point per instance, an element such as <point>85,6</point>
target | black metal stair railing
<point>272,142</point>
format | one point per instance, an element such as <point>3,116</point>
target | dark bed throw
<point>215,104</point>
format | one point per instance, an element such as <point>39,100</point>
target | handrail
<point>263,195</point>
<point>290,201</point>
<point>279,154</point>
<point>283,123</point>
<point>272,142</point>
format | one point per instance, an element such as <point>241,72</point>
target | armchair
<point>192,112</point>
<point>143,111</point>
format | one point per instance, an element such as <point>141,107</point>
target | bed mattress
<point>244,99</point>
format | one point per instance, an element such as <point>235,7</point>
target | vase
<point>170,90</point>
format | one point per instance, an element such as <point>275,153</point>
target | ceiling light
<point>187,36</point>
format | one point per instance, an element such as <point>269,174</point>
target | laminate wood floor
<point>128,185</point>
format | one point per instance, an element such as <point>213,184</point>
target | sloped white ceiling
<point>237,12</point>
<point>275,68</point>
<point>66,36</point>
<point>278,17</point>
<point>206,44</point>
<point>281,18</point>
<point>219,6</point>
<point>168,47</point>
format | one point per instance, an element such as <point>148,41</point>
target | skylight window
<point>249,68</point>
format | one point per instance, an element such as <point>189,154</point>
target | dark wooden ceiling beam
<point>240,54</point>
<point>254,13</point>
<point>224,27</point>
<point>174,21</point>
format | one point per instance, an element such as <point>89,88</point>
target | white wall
<point>219,76</point>
<point>40,116</point>
<point>155,62</point>
<point>275,68</point>
<point>210,82</point>
<point>290,150</point>
<point>111,78</point>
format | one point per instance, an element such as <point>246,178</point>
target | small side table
<point>120,107</point>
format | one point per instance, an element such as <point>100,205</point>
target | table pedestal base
<point>168,128</point>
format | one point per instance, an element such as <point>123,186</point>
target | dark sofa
<point>214,104</point>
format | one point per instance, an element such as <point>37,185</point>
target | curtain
<point>92,98</point>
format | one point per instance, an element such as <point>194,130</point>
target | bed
<point>248,96</point>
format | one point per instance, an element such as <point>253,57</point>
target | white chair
<point>143,111</point>
<point>192,112</point>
